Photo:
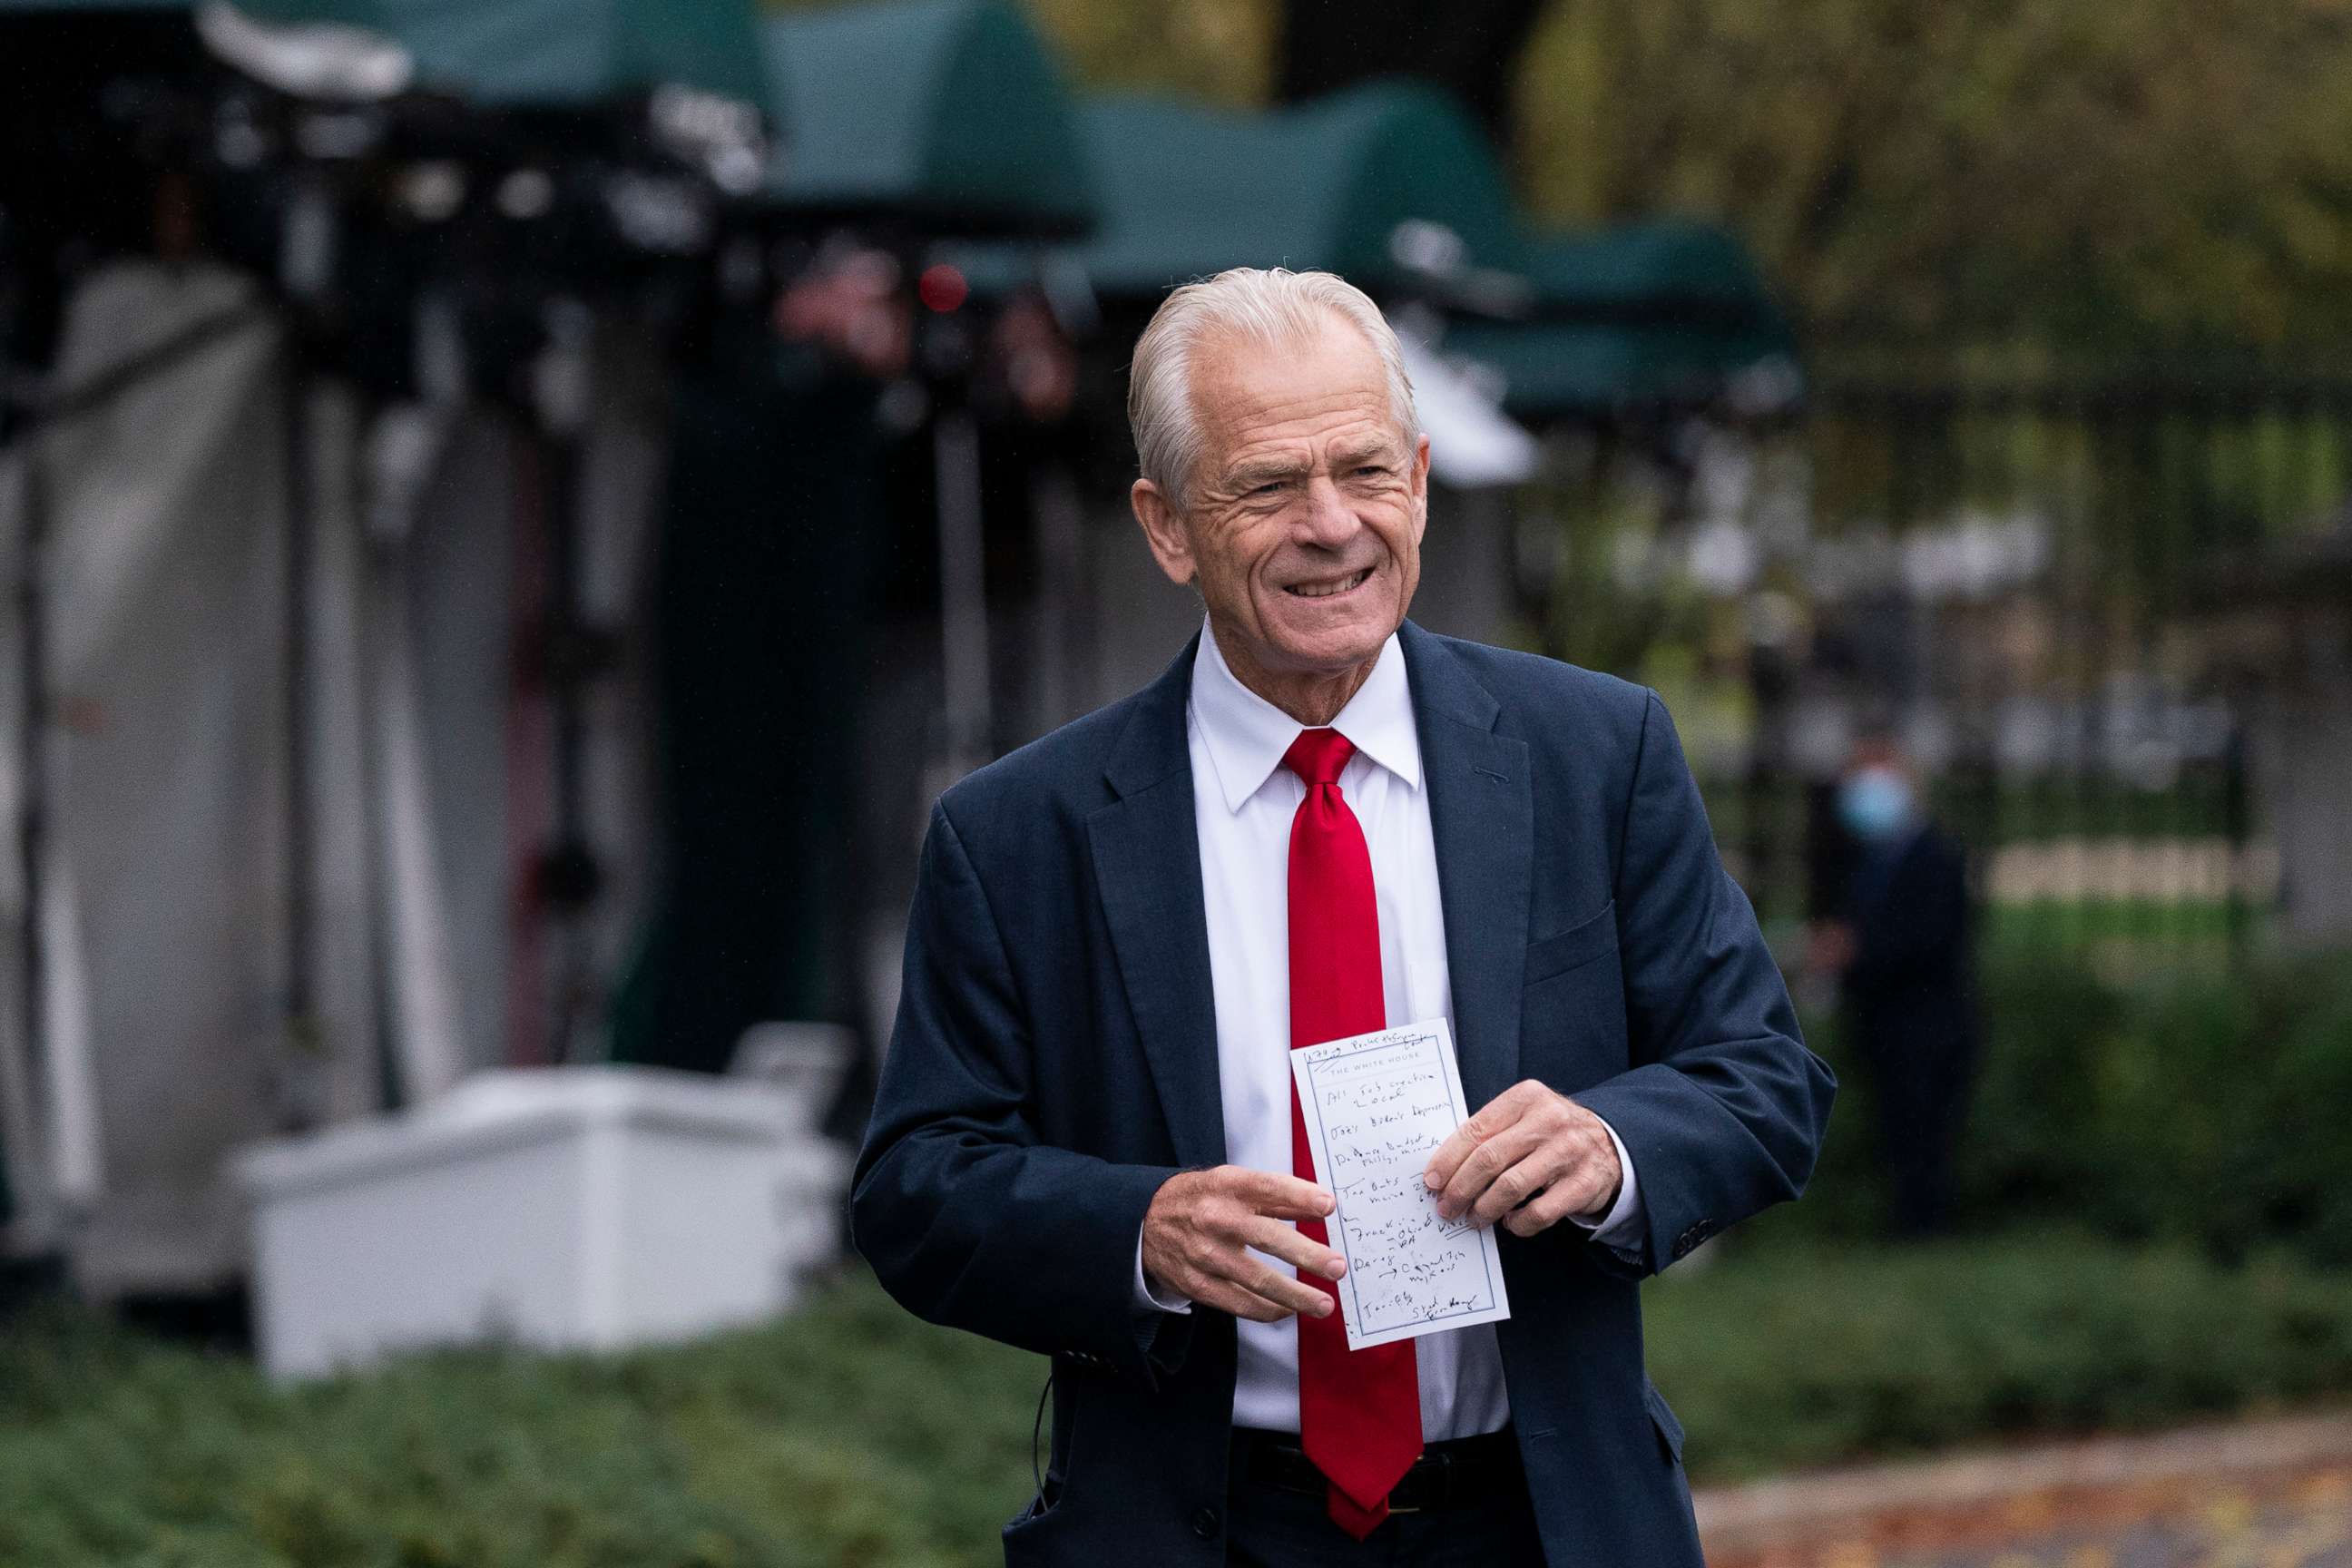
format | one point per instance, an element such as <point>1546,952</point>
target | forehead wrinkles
<point>1306,440</point>
<point>1241,421</point>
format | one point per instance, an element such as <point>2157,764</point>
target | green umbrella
<point>1651,315</point>
<point>551,54</point>
<point>1668,268</point>
<point>1552,369</point>
<point>1382,184</point>
<point>948,112</point>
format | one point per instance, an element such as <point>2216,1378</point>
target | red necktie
<point>1359,1411</point>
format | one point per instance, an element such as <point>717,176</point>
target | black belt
<point>1456,1473</point>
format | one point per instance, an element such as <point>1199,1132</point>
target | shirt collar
<point>1246,735</point>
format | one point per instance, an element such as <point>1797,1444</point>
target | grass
<point>851,1435</point>
<point>2203,926</point>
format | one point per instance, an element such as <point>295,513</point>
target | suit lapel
<point>1482,814</point>
<point>1147,859</point>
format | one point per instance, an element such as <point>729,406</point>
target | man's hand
<point>1530,1159</point>
<point>1199,1223</point>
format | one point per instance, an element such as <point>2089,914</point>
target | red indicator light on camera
<point>942,289</point>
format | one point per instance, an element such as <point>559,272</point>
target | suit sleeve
<point>1723,1106</point>
<point>968,1219</point>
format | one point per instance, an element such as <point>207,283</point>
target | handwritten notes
<point>1377,1106</point>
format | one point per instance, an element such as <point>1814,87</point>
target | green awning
<point>1555,369</point>
<point>948,112</point>
<point>554,54</point>
<point>1672,268</point>
<point>1190,190</point>
<point>1649,316</point>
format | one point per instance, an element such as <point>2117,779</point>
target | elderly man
<point>1320,821</point>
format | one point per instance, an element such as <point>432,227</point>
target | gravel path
<point>2259,1495</point>
<point>2306,1523</point>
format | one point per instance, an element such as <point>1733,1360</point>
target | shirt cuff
<point>1619,1229</point>
<point>1148,1300</point>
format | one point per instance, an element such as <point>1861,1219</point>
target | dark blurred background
<point>511,512</point>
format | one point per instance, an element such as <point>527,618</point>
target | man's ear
<point>1164,531</point>
<point>1420,488</point>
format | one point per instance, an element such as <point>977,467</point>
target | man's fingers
<point>1487,1165</point>
<point>1283,1197</point>
<point>1579,1191</point>
<point>1544,1165</point>
<point>1494,1117</point>
<point>1548,1208</point>
<point>1201,1223</point>
<point>1293,1295</point>
<point>1227,1297</point>
<point>1260,1294</point>
<point>1276,1239</point>
<point>1448,1158</point>
<point>1579,1185</point>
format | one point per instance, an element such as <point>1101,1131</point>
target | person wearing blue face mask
<point>1901,948</point>
<point>1876,805</point>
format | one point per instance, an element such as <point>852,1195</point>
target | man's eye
<point>1271,487</point>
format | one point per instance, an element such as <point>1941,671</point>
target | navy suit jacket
<point>1055,1060</point>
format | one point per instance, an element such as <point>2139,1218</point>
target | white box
<point>562,1207</point>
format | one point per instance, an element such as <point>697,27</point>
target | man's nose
<point>1328,518</point>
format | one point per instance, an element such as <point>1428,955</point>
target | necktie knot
<point>1318,756</point>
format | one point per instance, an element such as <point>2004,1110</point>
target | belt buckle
<point>1442,1463</point>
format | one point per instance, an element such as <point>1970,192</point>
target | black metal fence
<point>2067,590</point>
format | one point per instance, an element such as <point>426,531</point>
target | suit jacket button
<point>1204,1523</point>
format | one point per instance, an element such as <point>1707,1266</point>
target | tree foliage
<point>2177,167</point>
<point>1219,50</point>
<point>2134,169</point>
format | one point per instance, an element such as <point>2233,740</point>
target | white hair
<point>1272,306</point>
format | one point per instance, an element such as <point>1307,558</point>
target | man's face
<point>1303,519</point>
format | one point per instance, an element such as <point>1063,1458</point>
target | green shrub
<point>847,1434</point>
<point>2229,1119</point>
<point>2049,1026</point>
<point>1845,1198</point>
<point>1798,1352</point>
<point>2211,1105</point>
<point>850,1435</point>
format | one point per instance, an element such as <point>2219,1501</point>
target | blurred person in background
<point>764,609</point>
<point>1323,821</point>
<point>1901,948</point>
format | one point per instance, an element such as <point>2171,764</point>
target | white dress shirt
<point>1244,800</point>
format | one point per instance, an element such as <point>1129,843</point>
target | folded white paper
<point>1377,1106</point>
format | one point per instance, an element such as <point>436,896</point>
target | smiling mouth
<point>1329,590</point>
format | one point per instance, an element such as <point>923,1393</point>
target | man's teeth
<point>1324,591</point>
